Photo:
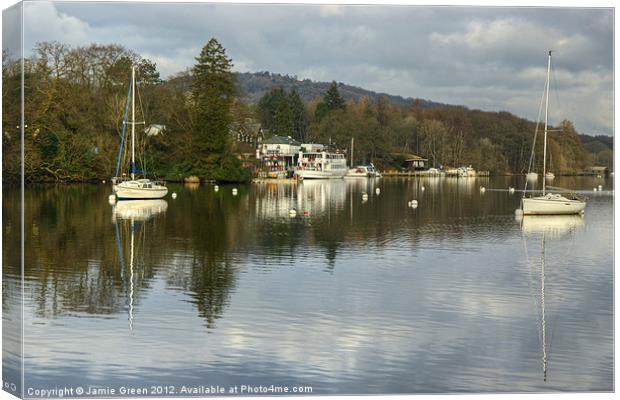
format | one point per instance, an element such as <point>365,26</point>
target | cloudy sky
<point>483,57</point>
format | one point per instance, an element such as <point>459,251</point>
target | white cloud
<point>42,21</point>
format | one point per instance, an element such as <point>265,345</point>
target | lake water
<point>347,297</point>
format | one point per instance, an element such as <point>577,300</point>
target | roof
<point>413,157</point>
<point>275,139</point>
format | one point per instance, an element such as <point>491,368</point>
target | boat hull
<point>309,174</point>
<point>130,191</point>
<point>551,206</point>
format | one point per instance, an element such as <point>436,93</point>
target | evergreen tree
<point>332,98</point>
<point>300,120</point>
<point>268,105</point>
<point>213,91</point>
<point>331,101</point>
<point>283,118</point>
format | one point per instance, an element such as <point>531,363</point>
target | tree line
<point>74,101</point>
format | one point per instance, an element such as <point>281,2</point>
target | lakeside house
<point>278,153</point>
<point>247,131</point>
<point>415,163</point>
<point>597,170</point>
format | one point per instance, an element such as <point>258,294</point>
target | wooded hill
<point>75,101</point>
<point>254,85</point>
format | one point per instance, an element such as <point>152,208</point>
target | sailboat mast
<point>133,122</point>
<point>546,123</point>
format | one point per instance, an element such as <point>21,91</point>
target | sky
<point>487,58</point>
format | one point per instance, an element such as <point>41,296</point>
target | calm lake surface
<point>348,296</point>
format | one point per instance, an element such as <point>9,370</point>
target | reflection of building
<point>311,198</point>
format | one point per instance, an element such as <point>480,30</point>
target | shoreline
<point>412,175</point>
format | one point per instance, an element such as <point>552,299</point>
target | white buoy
<point>216,188</point>
<point>292,212</point>
<point>377,191</point>
<point>511,189</point>
<point>103,181</point>
<point>364,196</point>
<point>423,188</point>
<point>112,199</point>
<point>594,189</point>
<point>482,189</point>
<point>174,195</point>
<point>413,203</point>
<point>234,191</point>
<point>600,187</point>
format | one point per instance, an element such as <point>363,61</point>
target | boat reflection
<point>550,225</point>
<point>554,227</point>
<point>131,215</point>
<point>138,210</point>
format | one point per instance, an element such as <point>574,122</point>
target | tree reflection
<point>78,246</point>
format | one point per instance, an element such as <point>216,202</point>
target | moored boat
<point>134,189</point>
<point>362,171</point>
<point>548,203</point>
<point>321,165</point>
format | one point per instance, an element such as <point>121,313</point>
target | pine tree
<point>213,88</point>
<point>283,118</point>
<point>300,120</point>
<point>331,101</point>
<point>268,105</point>
<point>213,91</point>
<point>332,98</point>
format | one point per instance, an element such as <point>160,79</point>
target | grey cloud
<point>482,57</point>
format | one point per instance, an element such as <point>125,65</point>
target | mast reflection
<point>555,227</point>
<point>132,215</point>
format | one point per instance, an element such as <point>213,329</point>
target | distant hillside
<point>597,142</point>
<point>601,149</point>
<point>253,85</point>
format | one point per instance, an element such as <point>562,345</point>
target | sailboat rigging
<point>134,189</point>
<point>549,203</point>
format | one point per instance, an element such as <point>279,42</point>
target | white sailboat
<point>136,189</point>
<point>549,203</point>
